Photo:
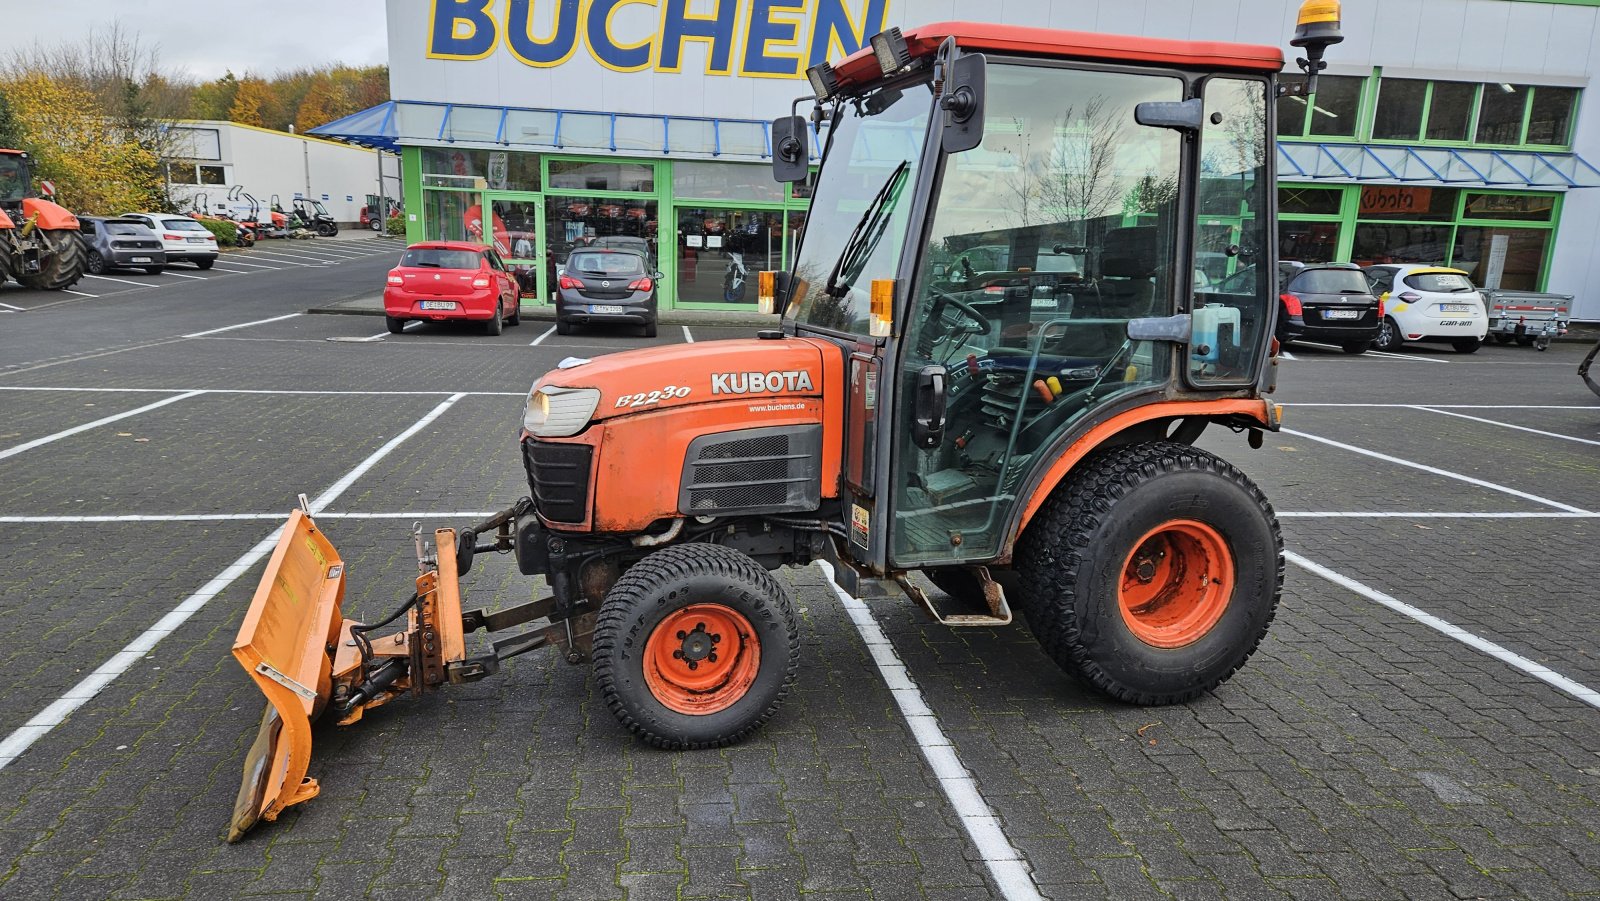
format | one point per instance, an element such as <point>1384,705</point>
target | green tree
<point>248,102</point>
<point>97,165</point>
<point>10,128</point>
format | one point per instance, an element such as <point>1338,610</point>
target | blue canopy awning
<point>390,125</point>
<point>1420,165</point>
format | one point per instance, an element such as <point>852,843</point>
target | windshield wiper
<point>863,239</point>
<point>1462,290</point>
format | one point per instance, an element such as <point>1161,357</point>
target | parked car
<point>1330,302</point>
<point>442,281</point>
<point>184,239</point>
<point>119,244</point>
<point>600,286</point>
<point>1428,303</point>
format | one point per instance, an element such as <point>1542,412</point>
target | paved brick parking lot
<point>1421,721</point>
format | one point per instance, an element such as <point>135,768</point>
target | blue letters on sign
<point>767,34</point>
<point>831,26</point>
<point>677,26</point>
<point>551,51</point>
<point>461,29</point>
<point>604,46</point>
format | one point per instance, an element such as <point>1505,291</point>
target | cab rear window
<point>438,258</point>
<point>1330,281</point>
<point>606,264</point>
<point>1439,282</point>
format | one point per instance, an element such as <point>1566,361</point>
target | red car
<point>439,281</point>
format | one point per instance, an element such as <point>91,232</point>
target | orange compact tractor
<point>39,246</point>
<point>997,349</point>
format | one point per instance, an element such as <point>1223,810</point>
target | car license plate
<point>1341,314</point>
<point>604,308</point>
<point>197,240</point>
<point>141,259</point>
<point>438,304</point>
<point>1455,308</point>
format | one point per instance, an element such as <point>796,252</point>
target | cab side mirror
<point>963,103</point>
<point>791,150</point>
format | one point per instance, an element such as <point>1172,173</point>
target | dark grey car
<point>600,286</point>
<point>120,244</point>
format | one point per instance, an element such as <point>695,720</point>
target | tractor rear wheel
<point>1152,573</point>
<point>695,647</point>
<point>61,264</point>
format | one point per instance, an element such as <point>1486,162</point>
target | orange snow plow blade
<point>284,643</point>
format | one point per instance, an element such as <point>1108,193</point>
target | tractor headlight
<point>558,412</point>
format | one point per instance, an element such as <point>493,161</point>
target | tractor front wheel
<point>1152,573</point>
<point>695,647</point>
<point>61,264</point>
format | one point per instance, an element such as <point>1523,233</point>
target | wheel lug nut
<point>682,635</point>
<point>693,665</point>
<point>712,657</point>
<point>699,627</point>
<point>715,638</point>
<point>677,655</point>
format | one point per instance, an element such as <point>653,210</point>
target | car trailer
<point>1526,317</point>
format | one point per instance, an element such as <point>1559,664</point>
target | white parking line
<point>1537,670</point>
<point>198,278</point>
<point>540,340</point>
<point>120,281</point>
<point>290,391</point>
<point>10,307</point>
<point>686,336</point>
<point>75,430</point>
<point>236,517</point>
<point>229,328</point>
<point>1286,355</point>
<point>1390,514</point>
<point>234,271</point>
<point>79,293</point>
<point>1436,471</point>
<point>282,258</point>
<point>1376,353</point>
<point>1507,425</point>
<point>1004,862</point>
<point>238,262</point>
<point>40,725</point>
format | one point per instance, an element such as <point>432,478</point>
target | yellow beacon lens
<point>1315,12</point>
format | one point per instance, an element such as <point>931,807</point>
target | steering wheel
<point>981,324</point>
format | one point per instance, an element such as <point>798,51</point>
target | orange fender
<point>52,217</point>
<point>5,221</point>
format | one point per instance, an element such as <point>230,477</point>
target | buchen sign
<point>758,38</point>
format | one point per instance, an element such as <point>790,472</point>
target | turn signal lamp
<point>824,82</point>
<point>767,291</point>
<point>889,46</point>
<point>1318,24</point>
<point>395,279</point>
<point>1291,304</point>
<point>480,283</point>
<point>882,324</point>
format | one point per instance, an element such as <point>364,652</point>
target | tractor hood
<point>682,374</point>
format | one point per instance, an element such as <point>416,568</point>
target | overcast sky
<point>207,38</point>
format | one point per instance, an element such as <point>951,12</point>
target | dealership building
<point>1450,132</point>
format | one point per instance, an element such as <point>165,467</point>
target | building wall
<point>267,162</point>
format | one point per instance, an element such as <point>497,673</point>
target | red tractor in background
<point>39,245</point>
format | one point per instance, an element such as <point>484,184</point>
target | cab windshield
<point>859,215</point>
<point>13,179</point>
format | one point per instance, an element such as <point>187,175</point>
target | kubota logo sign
<point>760,38</point>
<point>760,382</point>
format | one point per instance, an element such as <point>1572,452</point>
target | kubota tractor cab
<point>1023,436</point>
<point>39,245</point>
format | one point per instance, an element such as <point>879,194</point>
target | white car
<point>1428,303</point>
<point>185,240</point>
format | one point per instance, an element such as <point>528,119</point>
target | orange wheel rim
<point>701,659</point>
<point>1176,583</point>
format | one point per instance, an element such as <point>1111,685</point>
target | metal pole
<point>383,201</point>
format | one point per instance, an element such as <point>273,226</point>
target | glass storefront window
<point>1450,113</point>
<point>1524,256</point>
<point>1533,207</point>
<point>1399,113</point>
<point>516,236</point>
<point>1308,242</point>
<point>1551,119</point>
<point>617,223</point>
<point>444,215</point>
<point>601,175</point>
<point>1379,242</point>
<point>1399,202</point>
<point>721,250</point>
<point>725,181</point>
<point>1500,113</point>
<point>1336,107</point>
<point>498,170</point>
<point>1295,200</point>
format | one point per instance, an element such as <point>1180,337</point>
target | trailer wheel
<point>61,265</point>
<point>1152,573</point>
<point>1503,338</point>
<point>695,647</point>
<point>1467,345</point>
